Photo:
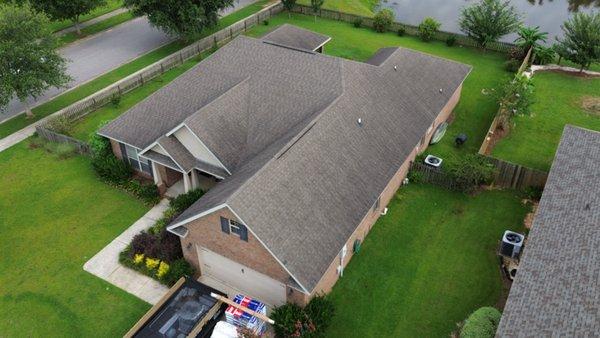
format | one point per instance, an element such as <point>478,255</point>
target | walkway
<point>95,20</point>
<point>105,264</point>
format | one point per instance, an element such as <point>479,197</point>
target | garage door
<point>253,284</point>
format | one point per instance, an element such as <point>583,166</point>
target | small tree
<point>488,21</point>
<point>185,19</point>
<point>560,50</point>
<point>383,20</point>
<point>529,37</point>
<point>289,5</point>
<point>316,6</point>
<point>581,41</point>
<point>481,324</point>
<point>29,62</point>
<point>428,27</point>
<point>67,9</point>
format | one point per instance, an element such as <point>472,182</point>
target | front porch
<point>172,183</point>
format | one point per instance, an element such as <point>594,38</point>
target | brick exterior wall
<point>207,230</point>
<point>116,148</point>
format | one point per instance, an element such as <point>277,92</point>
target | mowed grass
<point>96,28</point>
<point>103,81</point>
<point>110,6</point>
<point>357,7</point>
<point>54,216</point>
<point>89,124</point>
<point>426,265</point>
<point>474,112</point>
<point>533,139</point>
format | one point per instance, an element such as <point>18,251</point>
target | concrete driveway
<point>106,51</point>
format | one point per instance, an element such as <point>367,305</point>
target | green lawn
<point>89,124</point>
<point>426,265</point>
<point>113,76</point>
<point>558,101</point>
<point>110,6</point>
<point>357,7</point>
<point>475,111</point>
<point>96,28</point>
<point>54,216</point>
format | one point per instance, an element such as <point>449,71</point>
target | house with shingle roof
<point>303,152</point>
<point>556,292</point>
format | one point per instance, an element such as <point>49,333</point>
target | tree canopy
<point>581,41</point>
<point>29,62</point>
<point>67,9</point>
<point>185,18</point>
<point>489,20</point>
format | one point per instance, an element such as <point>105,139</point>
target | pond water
<point>548,14</point>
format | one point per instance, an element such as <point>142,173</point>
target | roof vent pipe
<point>360,121</point>
<point>441,90</point>
<point>395,67</point>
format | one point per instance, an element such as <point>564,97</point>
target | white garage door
<point>248,281</point>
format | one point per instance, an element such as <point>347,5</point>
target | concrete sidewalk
<point>105,264</point>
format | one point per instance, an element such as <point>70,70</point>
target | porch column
<point>186,183</point>
<point>195,181</point>
<point>156,174</point>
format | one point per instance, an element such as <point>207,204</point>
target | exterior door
<point>251,283</point>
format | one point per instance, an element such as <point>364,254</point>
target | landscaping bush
<point>111,169</point>
<point>143,243</point>
<point>514,98</point>
<point>60,124</point>
<point>358,23</point>
<point>147,192</point>
<point>481,324</point>
<point>115,100</point>
<point>64,150</point>
<point>414,176</point>
<point>177,269</point>
<point>401,31</point>
<point>169,246</point>
<point>451,40</point>
<point>184,201</point>
<point>266,22</point>
<point>512,65</point>
<point>293,321</point>
<point>428,27</point>
<point>470,172</point>
<point>534,193</point>
<point>383,20</point>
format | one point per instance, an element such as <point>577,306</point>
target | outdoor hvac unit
<point>512,243</point>
<point>433,161</point>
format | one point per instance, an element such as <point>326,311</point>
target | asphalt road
<point>103,52</point>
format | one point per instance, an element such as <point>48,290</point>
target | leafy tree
<point>481,324</point>
<point>185,18</point>
<point>29,62</point>
<point>530,37</point>
<point>428,27</point>
<point>489,20</point>
<point>561,51</point>
<point>289,5</point>
<point>316,6</point>
<point>581,40</point>
<point>383,20</point>
<point>67,9</point>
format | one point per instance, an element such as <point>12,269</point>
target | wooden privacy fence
<point>515,176</point>
<point>104,96</point>
<point>409,29</point>
<point>434,176</point>
<point>81,147</point>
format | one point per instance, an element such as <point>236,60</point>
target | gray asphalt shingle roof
<point>305,173</point>
<point>296,37</point>
<point>556,292</point>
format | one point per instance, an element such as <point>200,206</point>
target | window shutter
<point>225,225</point>
<point>243,233</point>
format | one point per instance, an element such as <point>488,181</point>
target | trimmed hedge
<point>481,324</point>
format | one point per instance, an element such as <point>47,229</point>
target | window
<point>230,226</point>
<point>130,154</point>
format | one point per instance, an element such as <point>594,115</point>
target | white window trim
<point>235,225</point>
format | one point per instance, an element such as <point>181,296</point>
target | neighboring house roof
<point>557,289</point>
<point>284,122</point>
<point>296,37</point>
<point>381,56</point>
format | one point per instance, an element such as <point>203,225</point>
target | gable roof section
<point>305,193</point>
<point>557,290</point>
<point>296,37</point>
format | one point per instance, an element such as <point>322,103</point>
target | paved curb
<point>105,264</point>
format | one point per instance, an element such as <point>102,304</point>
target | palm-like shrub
<point>428,27</point>
<point>543,55</point>
<point>383,20</point>
<point>529,37</point>
<point>489,20</point>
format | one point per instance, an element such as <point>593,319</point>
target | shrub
<point>427,28</point>
<point>177,269</point>
<point>481,323</point>
<point>358,23</point>
<point>111,169</point>
<point>515,98</point>
<point>383,20</point>
<point>143,243</point>
<point>60,124</point>
<point>152,263</point>
<point>115,100</point>
<point>543,55</point>
<point>64,150</point>
<point>163,269</point>
<point>320,310</point>
<point>401,31</point>
<point>451,40</point>
<point>512,65</point>
<point>265,22</point>
<point>415,176</point>
<point>470,171</point>
<point>293,321</point>
<point>138,258</point>
<point>168,246</point>
<point>148,193</point>
<point>534,193</point>
<point>184,201</point>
